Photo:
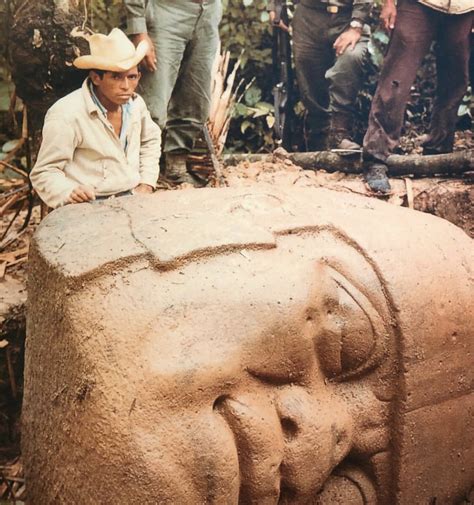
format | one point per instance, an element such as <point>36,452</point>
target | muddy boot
<point>376,178</point>
<point>176,170</point>
<point>340,135</point>
<point>445,147</point>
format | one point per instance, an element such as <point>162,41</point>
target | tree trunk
<point>453,163</point>
<point>41,51</point>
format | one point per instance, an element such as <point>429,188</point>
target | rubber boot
<point>340,133</point>
<point>176,170</point>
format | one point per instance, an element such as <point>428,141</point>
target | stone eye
<point>347,341</point>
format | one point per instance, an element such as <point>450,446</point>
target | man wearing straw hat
<point>100,141</point>
<point>184,38</point>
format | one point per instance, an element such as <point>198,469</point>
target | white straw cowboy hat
<point>113,52</point>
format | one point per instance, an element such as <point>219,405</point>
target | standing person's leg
<point>189,106</point>
<point>170,30</point>
<point>411,38</point>
<point>313,56</point>
<point>452,61</point>
<point>346,78</point>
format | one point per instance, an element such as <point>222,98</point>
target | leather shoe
<point>376,178</point>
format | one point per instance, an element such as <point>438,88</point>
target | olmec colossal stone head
<point>249,347</point>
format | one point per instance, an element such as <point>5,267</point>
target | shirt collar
<point>94,105</point>
<point>97,102</point>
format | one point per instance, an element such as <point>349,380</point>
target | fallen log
<point>437,164</point>
<point>351,163</point>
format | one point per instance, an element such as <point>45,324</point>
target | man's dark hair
<point>100,73</point>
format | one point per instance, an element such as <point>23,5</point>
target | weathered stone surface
<point>249,346</point>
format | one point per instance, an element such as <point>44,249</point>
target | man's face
<point>116,87</point>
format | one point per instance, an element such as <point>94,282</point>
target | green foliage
<point>245,30</point>
<point>106,14</point>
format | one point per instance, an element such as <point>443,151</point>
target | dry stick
<point>3,269</point>
<point>15,169</point>
<point>223,109</point>
<point>11,109</point>
<point>85,15</point>
<point>223,101</point>
<point>4,479</point>
<point>24,124</point>
<point>31,199</point>
<point>11,239</point>
<point>24,136</point>
<point>9,257</point>
<point>16,262</point>
<point>409,189</point>
<point>11,373</point>
<point>21,480</point>
<point>20,208</point>
<point>11,201</point>
<point>5,196</point>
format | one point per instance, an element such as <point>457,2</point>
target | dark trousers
<point>327,84</point>
<point>415,29</point>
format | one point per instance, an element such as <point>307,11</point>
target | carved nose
<point>317,431</point>
<point>288,442</point>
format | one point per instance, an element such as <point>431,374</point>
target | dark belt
<point>331,9</point>
<point>115,195</point>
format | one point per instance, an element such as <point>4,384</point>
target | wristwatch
<point>355,23</point>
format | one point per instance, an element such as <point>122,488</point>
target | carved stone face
<point>249,386</point>
<point>240,347</point>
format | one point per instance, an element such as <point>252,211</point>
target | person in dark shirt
<point>330,41</point>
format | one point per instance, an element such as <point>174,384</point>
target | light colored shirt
<point>80,147</point>
<point>450,6</point>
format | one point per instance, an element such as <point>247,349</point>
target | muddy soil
<point>449,199</point>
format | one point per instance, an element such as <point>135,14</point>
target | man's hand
<point>150,58</point>
<point>281,25</point>
<point>388,15</point>
<point>348,38</point>
<point>142,188</point>
<point>81,194</point>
